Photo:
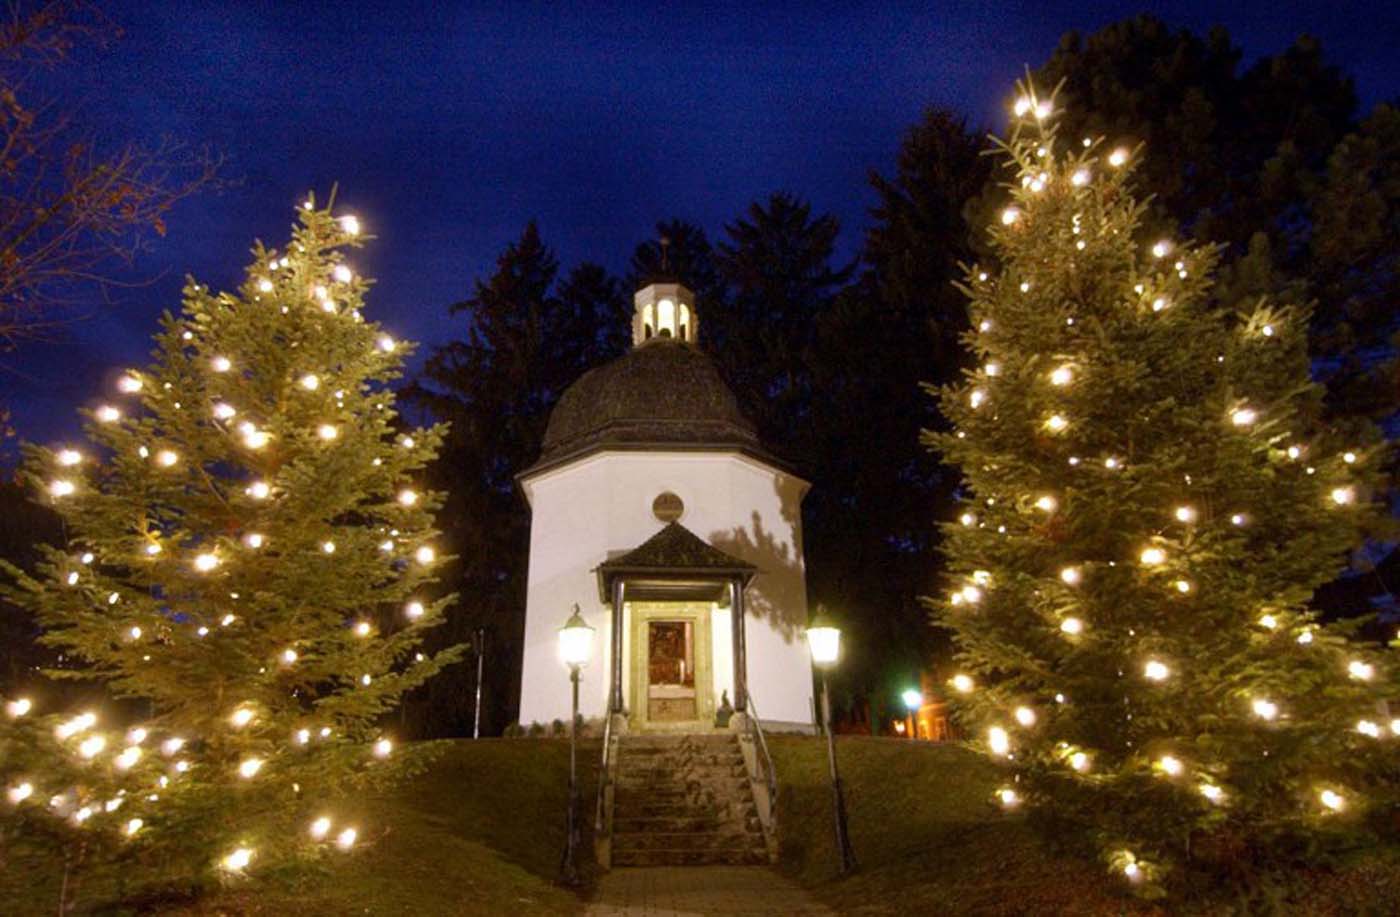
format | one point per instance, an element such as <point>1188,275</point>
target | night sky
<point>449,126</point>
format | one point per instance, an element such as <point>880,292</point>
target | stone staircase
<point>685,800</point>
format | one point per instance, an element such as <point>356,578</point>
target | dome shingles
<point>664,394</point>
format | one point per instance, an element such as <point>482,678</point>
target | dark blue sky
<point>448,126</point>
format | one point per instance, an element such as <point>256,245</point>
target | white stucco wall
<point>600,506</point>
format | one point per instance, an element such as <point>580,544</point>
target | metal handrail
<point>603,778</point>
<point>770,773</point>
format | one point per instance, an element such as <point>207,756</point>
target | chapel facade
<point>656,509</point>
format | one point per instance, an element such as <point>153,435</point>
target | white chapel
<point>656,510</point>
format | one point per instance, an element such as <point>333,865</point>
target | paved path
<point>673,891</point>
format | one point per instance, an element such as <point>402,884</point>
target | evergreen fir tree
<point>249,564</point>
<point>1150,501</point>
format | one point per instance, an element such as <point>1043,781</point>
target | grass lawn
<point>479,833</point>
<point>928,840</point>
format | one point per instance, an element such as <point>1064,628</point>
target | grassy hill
<point>482,830</point>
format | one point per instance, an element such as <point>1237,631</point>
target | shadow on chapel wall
<point>776,594</point>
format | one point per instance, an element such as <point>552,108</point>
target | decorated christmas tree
<point>1149,503</point>
<point>249,572</point>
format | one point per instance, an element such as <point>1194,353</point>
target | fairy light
<point>20,792</point>
<point>1062,376</point>
<point>992,369</point>
<point>82,814</point>
<point>1153,557</point>
<point>327,431</point>
<point>69,457</point>
<point>1268,621</point>
<point>1023,105</point>
<point>967,519</point>
<point>1072,626</point>
<point>1025,716</point>
<point>134,632</point>
<point>310,382</point>
<point>1161,249</point>
<point>1243,417</point>
<point>18,707</point>
<point>1264,708</point>
<point>1182,586</point>
<point>1185,514</point>
<point>998,741</point>
<point>289,656</point>
<point>132,826</point>
<point>1368,728</point>
<point>1160,303</point>
<point>254,438</point>
<point>985,325</point>
<point>221,364</point>
<point>249,767</point>
<point>1361,671</point>
<point>1079,761</point>
<point>976,397</point>
<point>226,620</point>
<point>303,736</point>
<point>1305,637</point>
<point>1171,766</point>
<point>383,748</point>
<point>971,594</point>
<point>258,490</point>
<point>351,225</point>
<point>238,860</point>
<point>181,767</point>
<point>206,562</point>
<point>328,547</point>
<point>166,458</point>
<point>255,540</point>
<point>363,629</point>
<point>1047,503</point>
<point>346,839</point>
<point>153,549</point>
<point>1343,496</point>
<point>1071,576</point>
<point>1080,178</point>
<point>1332,800</point>
<point>320,827</point>
<point>129,756</point>
<point>1009,216</point>
<point>264,285</point>
<point>386,344</point>
<point>961,683</point>
<point>1056,423</point>
<point>92,746</point>
<point>61,488</point>
<point>108,414</point>
<point>73,578</point>
<point>1238,519</point>
<point>1156,670</point>
<point>342,274</point>
<point>414,610</point>
<point>136,735</point>
<point>425,555</point>
<point>1008,797</point>
<point>1112,464</point>
<point>242,717</point>
<point>129,385</point>
<point>322,294</point>
<point>172,746</point>
<point>1118,157</point>
<point>224,410</point>
<point>1212,792</point>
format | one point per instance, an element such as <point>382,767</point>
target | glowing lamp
<point>238,860</point>
<point>575,641</point>
<point>913,699</point>
<point>823,640</point>
<point>320,827</point>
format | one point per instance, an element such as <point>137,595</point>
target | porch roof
<point>675,555</point>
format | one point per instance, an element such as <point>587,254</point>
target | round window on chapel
<point>667,507</point>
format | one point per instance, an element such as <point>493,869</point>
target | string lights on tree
<point>244,582</point>
<point>1150,534</point>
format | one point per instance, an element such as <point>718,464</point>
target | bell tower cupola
<point>665,310</point>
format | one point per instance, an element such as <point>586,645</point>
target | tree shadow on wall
<point>778,592</point>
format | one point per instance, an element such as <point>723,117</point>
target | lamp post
<point>824,640</point>
<point>913,700</point>
<point>575,649</point>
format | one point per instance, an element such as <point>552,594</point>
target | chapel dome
<point>664,393</point>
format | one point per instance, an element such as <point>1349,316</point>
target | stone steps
<point>684,801</point>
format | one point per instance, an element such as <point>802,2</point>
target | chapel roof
<point>675,552</point>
